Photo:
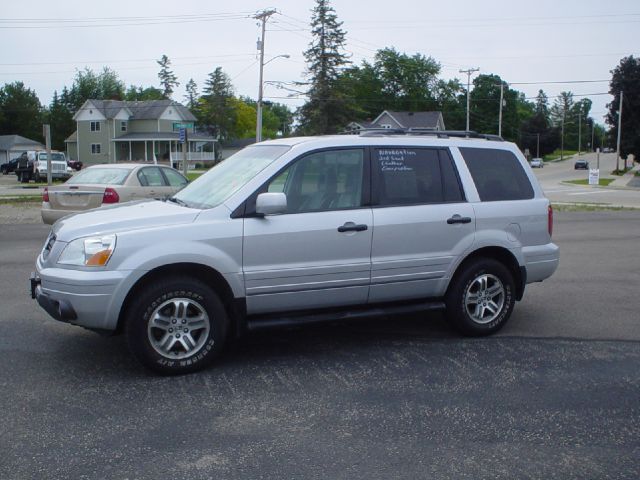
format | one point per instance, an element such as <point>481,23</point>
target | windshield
<point>56,157</point>
<point>91,176</point>
<point>226,178</point>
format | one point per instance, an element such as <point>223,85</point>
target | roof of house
<point>414,119</point>
<point>72,138</point>
<point>9,141</point>
<point>141,110</point>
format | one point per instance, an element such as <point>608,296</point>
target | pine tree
<point>61,121</point>
<point>192,93</point>
<point>168,80</point>
<point>327,109</point>
<point>217,111</point>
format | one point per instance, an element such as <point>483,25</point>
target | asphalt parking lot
<point>555,395</point>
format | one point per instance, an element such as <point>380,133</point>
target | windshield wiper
<point>178,201</point>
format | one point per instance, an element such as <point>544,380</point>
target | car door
<point>317,254</point>
<point>422,223</point>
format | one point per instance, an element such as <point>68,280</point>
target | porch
<point>164,148</point>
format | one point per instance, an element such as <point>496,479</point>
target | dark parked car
<point>75,164</point>
<point>9,167</point>
<point>581,165</point>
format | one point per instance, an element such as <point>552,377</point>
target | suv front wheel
<point>177,326</point>
<point>481,297</point>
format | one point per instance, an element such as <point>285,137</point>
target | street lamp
<point>260,88</point>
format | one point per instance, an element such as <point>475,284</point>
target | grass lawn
<point>193,175</point>
<point>556,154</point>
<point>587,207</point>
<point>603,181</point>
<point>15,200</point>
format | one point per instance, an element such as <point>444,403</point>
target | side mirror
<point>271,203</point>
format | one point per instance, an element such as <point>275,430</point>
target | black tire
<point>154,317</point>
<point>492,304</point>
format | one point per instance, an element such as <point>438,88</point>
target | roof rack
<point>376,132</point>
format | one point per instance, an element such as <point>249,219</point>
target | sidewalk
<point>628,179</point>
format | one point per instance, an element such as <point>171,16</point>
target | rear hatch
<point>76,197</point>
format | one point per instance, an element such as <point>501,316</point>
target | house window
<point>95,126</point>
<point>123,126</point>
<point>95,148</point>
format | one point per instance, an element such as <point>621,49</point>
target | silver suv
<point>302,230</point>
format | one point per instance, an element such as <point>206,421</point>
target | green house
<point>110,131</point>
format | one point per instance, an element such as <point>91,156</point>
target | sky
<point>526,43</point>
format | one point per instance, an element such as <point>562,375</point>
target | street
<point>554,173</point>
<point>554,395</point>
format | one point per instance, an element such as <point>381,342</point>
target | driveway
<point>555,395</point>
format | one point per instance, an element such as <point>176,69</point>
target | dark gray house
<point>391,119</point>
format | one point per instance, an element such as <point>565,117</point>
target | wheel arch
<point>504,256</point>
<point>207,275</point>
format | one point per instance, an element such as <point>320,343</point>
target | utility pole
<point>538,147</point>
<point>47,140</point>
<point>579,128</point>
<point>501,105</point>
<point>469,72</point>
<point>619,135</point>
<point>593,130</point>
<point>263,17</point>
<point>564,112</point>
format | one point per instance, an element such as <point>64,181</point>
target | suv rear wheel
<point>177,326</point>
<point>481,297</point>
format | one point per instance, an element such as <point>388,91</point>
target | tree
<point>192,94</point>
<point>485,107</point>
<point>20,111</point>
<point>328,109</point>
<point>61,121</point>
<point>626,78</point>
<point>408,82</point>
<point>141,94</point>
<point>168,80</point>
<point>88,85</point>
<point>542,105</point>
<point>216,108</point>
<point>537,133</point>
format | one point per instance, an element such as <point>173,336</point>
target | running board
<point>263,322</point>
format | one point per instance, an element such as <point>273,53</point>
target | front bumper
<point>90,299</point>
<point>60,310</point>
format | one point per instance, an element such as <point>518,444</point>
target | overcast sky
<point>541,41</point>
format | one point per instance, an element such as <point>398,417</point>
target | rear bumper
<point>50,216</point>
<point>541,261</point>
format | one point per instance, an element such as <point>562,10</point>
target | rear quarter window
<point>497,174</point>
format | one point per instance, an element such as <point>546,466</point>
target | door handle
<point>458,219</point>
<point>352,227</point>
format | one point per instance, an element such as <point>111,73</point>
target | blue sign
<point>183,135</point>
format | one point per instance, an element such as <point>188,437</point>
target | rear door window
<point>413,176</point>
<point>151,177</point>
<point>497,174</point>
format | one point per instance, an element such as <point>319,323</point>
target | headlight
<point>89,252</point>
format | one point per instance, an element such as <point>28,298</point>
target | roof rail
<point>375,132</point>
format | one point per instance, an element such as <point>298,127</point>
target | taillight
<point>110,196</point>
<point>550,220</point>
<point>45,194</point>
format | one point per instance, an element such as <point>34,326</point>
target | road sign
<point>594,176</point>
<point>183,135</point>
